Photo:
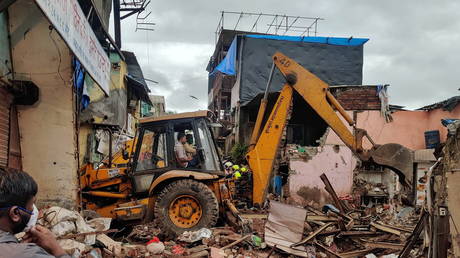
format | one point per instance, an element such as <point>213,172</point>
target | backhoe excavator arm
<point>265,143</point>
<point>316,93</point>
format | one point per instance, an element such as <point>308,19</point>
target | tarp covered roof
<point>228,64</point>
<point>135,77</point>
<point>448,104</point>
<point>324,40</point>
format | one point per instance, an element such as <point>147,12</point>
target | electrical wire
<point>59,53</point>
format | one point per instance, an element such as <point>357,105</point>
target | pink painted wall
<point>337,167</point>
<point>407,128</point>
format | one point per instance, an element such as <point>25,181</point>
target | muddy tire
<point>185,205</point>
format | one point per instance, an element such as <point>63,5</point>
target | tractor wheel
<point>185,205</point>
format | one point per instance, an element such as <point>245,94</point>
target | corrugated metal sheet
<point>5,101</point>
<point>14,155</point>
<point>424,155</point>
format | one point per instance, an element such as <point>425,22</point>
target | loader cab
<point>158,147</point>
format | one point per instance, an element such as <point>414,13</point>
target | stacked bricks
<point>357,97</point>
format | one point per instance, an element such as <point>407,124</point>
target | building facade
<point>61,78</point>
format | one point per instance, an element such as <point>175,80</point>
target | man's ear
<point>15,216</point>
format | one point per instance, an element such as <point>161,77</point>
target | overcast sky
<point>414,45</point>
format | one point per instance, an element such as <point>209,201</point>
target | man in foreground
<point>18,214</point>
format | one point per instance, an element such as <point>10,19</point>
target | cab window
<point>208,148</point>
<point>153,152</point>
<point>185,149</point>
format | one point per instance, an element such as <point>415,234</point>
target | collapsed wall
<point>443,198</point>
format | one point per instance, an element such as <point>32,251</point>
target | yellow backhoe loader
<point>265,143</point>
<point>149,180</point>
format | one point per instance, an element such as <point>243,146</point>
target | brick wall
<point>357,97</point>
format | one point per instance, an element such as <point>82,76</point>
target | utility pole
<point>117,21</point>
<point>132,7</point>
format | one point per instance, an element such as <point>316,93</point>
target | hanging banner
<point>68,19</point>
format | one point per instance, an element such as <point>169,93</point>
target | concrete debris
<point>74,233</point>
<point>345,228</point>
<point>143,233</point>
<point>353,230</point>
<point>155,246</point>
<point>193,236</point>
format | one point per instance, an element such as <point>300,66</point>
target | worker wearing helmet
<point>236,171</point>
<point>228,167</point>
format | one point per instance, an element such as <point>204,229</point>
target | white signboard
<point>69,20</point>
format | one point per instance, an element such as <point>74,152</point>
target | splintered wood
<point>335,231</point>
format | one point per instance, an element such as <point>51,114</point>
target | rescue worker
<point>228,167</point>
<point>236,171</point>
<point>17,214</point>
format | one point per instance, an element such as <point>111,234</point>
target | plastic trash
<point>193,236</point>
<point>155,246</point>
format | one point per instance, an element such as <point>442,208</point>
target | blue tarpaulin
<point>78,81</point>
<point>227,65</point>
<point>324,40</point>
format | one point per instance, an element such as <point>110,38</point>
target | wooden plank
<point>385,229</point>
<point>321,218</point>
<point>315,211</point>
<point>332,192</point>
<point>359,253</point>
<point>400,228</point>
<point>360,233</point>
<point>254,216</point>
<point>414,236</point>
<point>325,249</point>
<point>272,240</point>
<point>383,245</point>
<point>331,232</point>
<point>313,234</point>
<point>236,242</point>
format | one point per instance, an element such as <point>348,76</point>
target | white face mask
<point>33,219</point>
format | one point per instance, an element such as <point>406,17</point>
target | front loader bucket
<point>396,157</point>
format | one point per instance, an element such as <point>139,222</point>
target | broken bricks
<point>336,232</point>
<point>286,229</point>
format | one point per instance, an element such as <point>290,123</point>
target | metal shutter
<point>5,102</point>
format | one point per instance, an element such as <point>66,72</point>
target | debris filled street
<point>137,128</point>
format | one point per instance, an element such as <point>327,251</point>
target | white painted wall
<point>47,128</point>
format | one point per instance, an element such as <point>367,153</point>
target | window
<point>153,153</point>
<point>211,159</point>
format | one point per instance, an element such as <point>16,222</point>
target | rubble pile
<point>332,233</point>
<point>341,229</point>
<point>344,229</point>
<point>81,237</point>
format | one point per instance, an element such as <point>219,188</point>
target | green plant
<point>238,153</point>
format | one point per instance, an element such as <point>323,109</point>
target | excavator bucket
<point>396,157</point>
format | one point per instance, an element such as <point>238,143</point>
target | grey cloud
<point>414,45</point>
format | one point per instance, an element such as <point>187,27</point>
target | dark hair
<point>16,187</point>
<point>180,135</point>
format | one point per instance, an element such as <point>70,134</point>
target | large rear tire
<point>185,205</point>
